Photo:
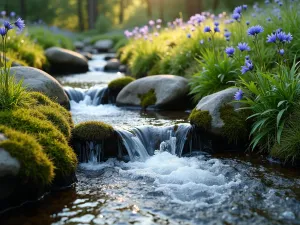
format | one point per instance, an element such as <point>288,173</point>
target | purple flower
<point>3,13</point>
<point>217,29</point>
<point>239,95</point>
<point>227,34</point>
<point>255,30</point>
<point>247,23</point>
<point>288,38</point>
<point>271,38</point>
<point>12,14</point>
<point>20,24</point>
<point>248,65</point>
<point>245,7</point>
<point>7,25</point>
<point>247,57</point>
<point>281,51</point>
<point>243,47</point>
<point>230,51</point>
<point>269,19</point>
<point>159,21</point>
<point>207,29</point>
<point>189,35</point>
<point>236,16</point>
<point>216,23</point>
<point>3,31</point>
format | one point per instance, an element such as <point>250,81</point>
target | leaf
<point>279,115</point>
<point>280,103</point>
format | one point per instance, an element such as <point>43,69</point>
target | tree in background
<point>92,9</point>
<point>194,6</point>
<point>80,15</point>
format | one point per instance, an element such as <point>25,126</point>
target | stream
<point>156,186</point>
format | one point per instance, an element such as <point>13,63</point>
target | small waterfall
<point>93,96</point>
<point>144,141</point>
<point>90,152</point>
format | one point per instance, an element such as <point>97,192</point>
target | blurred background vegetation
<point>101,16</point>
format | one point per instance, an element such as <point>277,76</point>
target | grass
<point>148,99</point>
<point>201,119</point>
<point>118,84</point>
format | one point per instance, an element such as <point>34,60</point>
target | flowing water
<point>156,186</point>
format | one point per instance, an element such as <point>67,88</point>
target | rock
<point>112,65</point>
<point>171,92</point>
<point>104,45</point>
<point>213,103</point>
<point>87,55</point>
<point>109,57</point>
<point>89,49</point>
<point>123,69</point>
<point>38,80</point>
<point>66,61</point>
<point>78,45</point>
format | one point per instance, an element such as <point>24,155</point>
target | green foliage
<point>92,131</point>
<point>148,98</point>
<point>235,127</point>
<point>12,93</point>
<point>289,147</point>
<point>35,165</point>
<point>118,84</point>
<point>272,99</point>
<point>201,119</point>
<point>103,24</point>
<point>217,72</point>
<point>120,44</point>
<point>47,38</point>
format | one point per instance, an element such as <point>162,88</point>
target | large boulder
<point>220,115</point>
<point>66,61</point>
<point>104,45</point>
<point>38,80</point>
<point>160,91</point>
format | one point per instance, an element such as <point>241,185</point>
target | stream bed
<point>162,189</point>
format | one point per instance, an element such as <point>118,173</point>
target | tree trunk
<point>92,13</point>
<point>161,9</point>
<point>149,8</point>
<point>80,15</point>
<point>23,9</point>
<point>215,4</point>
<point>194,6</point>
<point>121,16</point>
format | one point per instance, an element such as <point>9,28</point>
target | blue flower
<point>189,35</point>
<point>3,31</point>
<point>7,25</point>
<point>288,38</point>
<point>207,29</point>
<point>271,38</point>
<point>281,51</point>
<point>243,47</point>
<point>20,24</point>
<point>227,34</point>
<point>244,69</point>
<point>201,42</point>
<point>238,10</point>
<point>12,14</point>
<point>217,29</point>
<point>230,51</point>
<point>245,7</point>
<point>236,16</point>
<point>216,23</point>
<point>248,65</point>
<point>255,30</point>
<point>247,57</point>
<point>239,95</point>
<point>3,13</point>
<point>247,23</point>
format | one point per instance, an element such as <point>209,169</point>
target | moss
<point>201,119</point>
<point>148,98</point>
<point>57,119</point>
<point>92,131</point>
<point>35,165</point>
<point>236,127</point>
<point>51,139</point>
<point>118,84</point>
<point>39,99</point>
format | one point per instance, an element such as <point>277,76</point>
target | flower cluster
<point>237,12</point>
<point>255,30</point>
<point>279,36</point>
<point>8,26</point>
<point>248,65</point>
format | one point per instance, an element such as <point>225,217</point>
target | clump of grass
<point>148,98</point>
<point>92,131</point>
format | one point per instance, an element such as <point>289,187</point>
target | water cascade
<point>142,142</point>
<point>94,96</point>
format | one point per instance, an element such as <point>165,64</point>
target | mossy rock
<point>54,143</point>
<point>37,99</point>
<point>36,167</point>
<point>202,119</point>
<point>236,127</point>
<point>118,84</point>
<point>92,131</point>
<point>148,98</point>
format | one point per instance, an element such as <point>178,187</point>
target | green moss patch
<point>236,127</point>
<point>92,131</point>
<point>201,119</point>
<point>35,165</point>
<point>148,98</point>
<point>118,84</point>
